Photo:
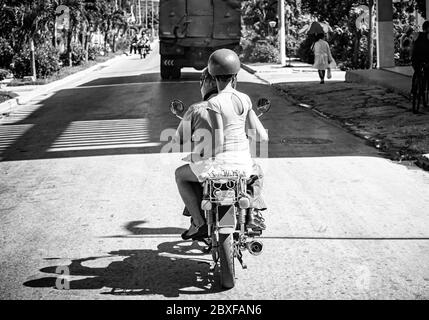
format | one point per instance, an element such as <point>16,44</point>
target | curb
<point>7,106</point>
<point>254,72</point>
<point>248,69</point>
<point>354,77</point>
<point>393,153</point>
<point>423,162</point>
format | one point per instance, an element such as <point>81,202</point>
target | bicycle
<point>420,87</point>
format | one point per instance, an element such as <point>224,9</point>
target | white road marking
<point>103,147</point>
<point>104,134</point>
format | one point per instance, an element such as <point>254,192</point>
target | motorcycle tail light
<point>206,205</point>
<point>244,203</point>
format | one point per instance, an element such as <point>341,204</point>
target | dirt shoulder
<point>372,112</point>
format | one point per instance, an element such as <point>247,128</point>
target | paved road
<point>84,188</point>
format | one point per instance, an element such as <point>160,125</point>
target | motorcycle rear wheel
<point>226,260</point>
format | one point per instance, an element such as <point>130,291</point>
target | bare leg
<point>322,76</point>
<point>185,179</point>
<point>198,190</point>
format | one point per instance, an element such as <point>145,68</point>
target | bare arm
<point>178,137</point>
<point>185,124</point>
<point>217,127</point>
<point>255,125</point>
<point>329,53</point>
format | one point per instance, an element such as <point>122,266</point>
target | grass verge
<point>64,72</point>
<point>372,112</point>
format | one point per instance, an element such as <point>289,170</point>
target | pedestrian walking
<point>133,46</point>
<point>323,60</point>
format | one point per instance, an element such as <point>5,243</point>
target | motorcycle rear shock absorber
<point>242,219</point>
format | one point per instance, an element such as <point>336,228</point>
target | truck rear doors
<point>200,18</point>
<point>216,19</point>
<point>227,15</point>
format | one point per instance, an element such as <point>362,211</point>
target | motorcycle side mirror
<point>263,106</point>
<point>177,108</point>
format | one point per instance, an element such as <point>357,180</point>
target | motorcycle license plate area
<point>225,197</point>
<point>226,216</point>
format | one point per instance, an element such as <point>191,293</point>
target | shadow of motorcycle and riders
<point>175,268</point>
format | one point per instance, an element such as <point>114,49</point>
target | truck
<point>190,30</point>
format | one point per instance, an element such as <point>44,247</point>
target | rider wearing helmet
<point>197,118</point>
<point>195,125</point>
<point>230,111</point>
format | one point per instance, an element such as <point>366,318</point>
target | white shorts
<point>227,161</point>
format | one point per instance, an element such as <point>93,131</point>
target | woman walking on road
<point>322,57</point>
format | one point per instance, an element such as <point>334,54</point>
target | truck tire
<point>226,260</point>
<point>170,72</point>
<point>165,72</point>
<point>176,72</point>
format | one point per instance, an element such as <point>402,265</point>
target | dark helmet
<point>223,62</point>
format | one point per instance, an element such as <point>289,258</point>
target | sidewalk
<point>395,81</point>
<point>298,72</point>
<point>25,94</point>
<point>372,112</point>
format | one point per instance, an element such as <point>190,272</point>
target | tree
<point>365,23</point>
<point>340,13</point>
<point>32,18</point>
<point>336,12</point>
<point>421,7</point>
<point>371,34</point>
<point>31,23</point>
<point>349,16</point>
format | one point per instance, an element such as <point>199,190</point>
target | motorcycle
<point>144,50</point>
<point>228,213</point>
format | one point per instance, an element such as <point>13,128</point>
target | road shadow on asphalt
<point>126,115</point>
<point>141,79</point>
<point>135,229</point>
<point>176,268</point>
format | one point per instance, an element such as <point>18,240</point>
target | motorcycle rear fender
<point>227,218</point>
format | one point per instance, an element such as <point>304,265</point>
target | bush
<point>123,44</point>
<point>6,53</point>
<point>47,61</point>
<point>260,51</point>
<point>4,74</point>
<point>93,52</point>
<point>77,55</point>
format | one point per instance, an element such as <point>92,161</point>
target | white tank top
<point>234,124</point>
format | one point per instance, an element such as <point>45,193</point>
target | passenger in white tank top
<point>230,113</point>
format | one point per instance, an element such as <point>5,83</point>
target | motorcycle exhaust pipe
<point>255,247</point>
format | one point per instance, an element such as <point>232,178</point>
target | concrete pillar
<point>385,39</point>
<point>282,30</point>
<point>427,9</point>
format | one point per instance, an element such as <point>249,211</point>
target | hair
<point>205,75</point>
<point>425,25</point>
<point>225,78</point>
